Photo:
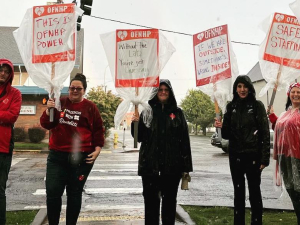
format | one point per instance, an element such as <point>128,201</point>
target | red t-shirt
<point>77,127</point>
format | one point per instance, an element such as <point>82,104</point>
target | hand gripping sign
<point>136,58</point>
<point>46,40</point>
<point>215,65</point>
<point>280,53</point>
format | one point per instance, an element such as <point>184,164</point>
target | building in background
<point>259,82</point>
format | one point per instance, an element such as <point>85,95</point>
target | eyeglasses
<point>165,90</point>
<point>75,88</point>
<point>4,71</point>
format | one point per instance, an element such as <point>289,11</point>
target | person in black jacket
<point>165,154</point>
<point>246,127</point>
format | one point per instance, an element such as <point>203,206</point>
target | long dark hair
<point>80,77</point>
<point>288,103</point>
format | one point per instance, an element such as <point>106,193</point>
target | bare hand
<point>262,167</point>
<point>218,124</point>
<point>93,156</point>
<point>50,103</point>
<point>270,110</point>
<point>135,118</point>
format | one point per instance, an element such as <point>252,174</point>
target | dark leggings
<point>239,167</point>
<point>5,163</point>
<point>158,187</point>
<point>63,172</point>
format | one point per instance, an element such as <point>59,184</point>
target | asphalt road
<point>115,189</point>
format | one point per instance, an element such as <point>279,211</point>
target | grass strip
<point>25,217</point>
<point>224,215</point>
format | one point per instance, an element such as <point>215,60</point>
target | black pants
<point>239,167</point>
<point>158,187</point>
<point>5,163</point>
<point>63,170</point>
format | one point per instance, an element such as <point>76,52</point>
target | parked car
<point>223,144</point>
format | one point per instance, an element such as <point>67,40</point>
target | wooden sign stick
<point>136,123</point>
<point>275,88</point>
<point>51,94</point>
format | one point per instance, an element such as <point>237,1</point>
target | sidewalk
<point>94,217</point>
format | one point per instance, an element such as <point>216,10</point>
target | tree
<point>107,103</point>
<point>198,109</point>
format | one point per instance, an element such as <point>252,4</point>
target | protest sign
<point>137,58</point>
<point>54,29</point>
<point>46,40</point>
<point>280,53</point>
<point>211,54</point>
<point>283,43</point>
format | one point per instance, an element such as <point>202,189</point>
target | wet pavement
<point>113,192</point>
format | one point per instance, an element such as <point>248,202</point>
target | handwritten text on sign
<point>283,43</point>
<point>137,58</point>
<point>211,53</point>
<point>53,33</point>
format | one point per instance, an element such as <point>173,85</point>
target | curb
<point>183,215</point>
<point>40,217</point>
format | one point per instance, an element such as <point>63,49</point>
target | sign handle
<point>275,88</point>
<point>217,110</point>
<point>51,119</point>
<point>136,123</point>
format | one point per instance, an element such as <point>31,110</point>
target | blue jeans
<point>65,171</point>
<point>5,164</point>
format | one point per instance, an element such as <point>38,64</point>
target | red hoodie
<point>10,105</point>
<point>77,127</point>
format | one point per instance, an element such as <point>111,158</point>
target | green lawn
<point>31,146</point>
<point>224,215</point>
<point>20,217</point>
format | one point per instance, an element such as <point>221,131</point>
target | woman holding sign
<point>77,137</point>
<point>246,127</point>
<point>165,155</point>
<point>287,145</point>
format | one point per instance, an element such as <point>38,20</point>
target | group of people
<point>246,126</point>
<point>77,136</point>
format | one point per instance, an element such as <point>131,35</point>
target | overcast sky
<point>190,17</point>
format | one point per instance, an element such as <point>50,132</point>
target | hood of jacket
<point>171,101</point>
<point>248,83</point>
<point>9,63</point>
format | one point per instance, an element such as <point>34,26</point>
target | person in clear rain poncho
<point>287,146</point>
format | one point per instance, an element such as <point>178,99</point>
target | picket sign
<point>215,66</point>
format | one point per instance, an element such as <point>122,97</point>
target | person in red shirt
<point>287,145</point>
<point>10,105</point>
<point>77,136</point>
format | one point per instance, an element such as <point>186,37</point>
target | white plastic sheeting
<point>129,94</point>
<point>41,73</point>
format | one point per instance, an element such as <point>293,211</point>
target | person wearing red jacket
<point>77,136</point>
<point>287,145</point>
<point>10,105</point>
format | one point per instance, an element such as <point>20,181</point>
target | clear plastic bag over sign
<point>279,53</point>
<point>215,64</point>
<point>46,40</point>
<point>136,58</point>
